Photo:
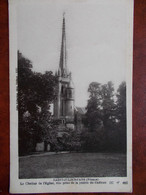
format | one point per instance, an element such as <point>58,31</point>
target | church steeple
<point>64,102</point>
<point>63,55</point>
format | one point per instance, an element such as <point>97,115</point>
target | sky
<point>97,33</point>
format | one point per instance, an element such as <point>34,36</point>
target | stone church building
<point>65,112</point>
<point>64,105</point>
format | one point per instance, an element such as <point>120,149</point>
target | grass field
<point>73,165</point>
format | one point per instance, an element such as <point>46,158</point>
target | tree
<point>107,103</point>
<point>108,112</point>
<point>36,92</point>
<point>93,114</point>
<point>121,115</point>
<point>100,116</point>
<point>101,105</point>
<point>105,118</point>
<point>121,103</point>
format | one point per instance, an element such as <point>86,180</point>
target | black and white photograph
<point>70,95</point>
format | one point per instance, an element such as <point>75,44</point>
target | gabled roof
<point>80,110</point>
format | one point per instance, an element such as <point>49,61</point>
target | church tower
<point>64,102</point>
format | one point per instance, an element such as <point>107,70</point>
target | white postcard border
<point>42,185</point>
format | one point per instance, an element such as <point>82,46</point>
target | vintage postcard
<point>70,95</point>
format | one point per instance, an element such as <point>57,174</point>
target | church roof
<point>81,110</point>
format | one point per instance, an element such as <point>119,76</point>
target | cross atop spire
<point>63,55</point>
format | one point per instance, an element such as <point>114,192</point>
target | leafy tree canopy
<point>36,91</point>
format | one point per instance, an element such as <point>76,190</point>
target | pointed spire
<point>63,65</point>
